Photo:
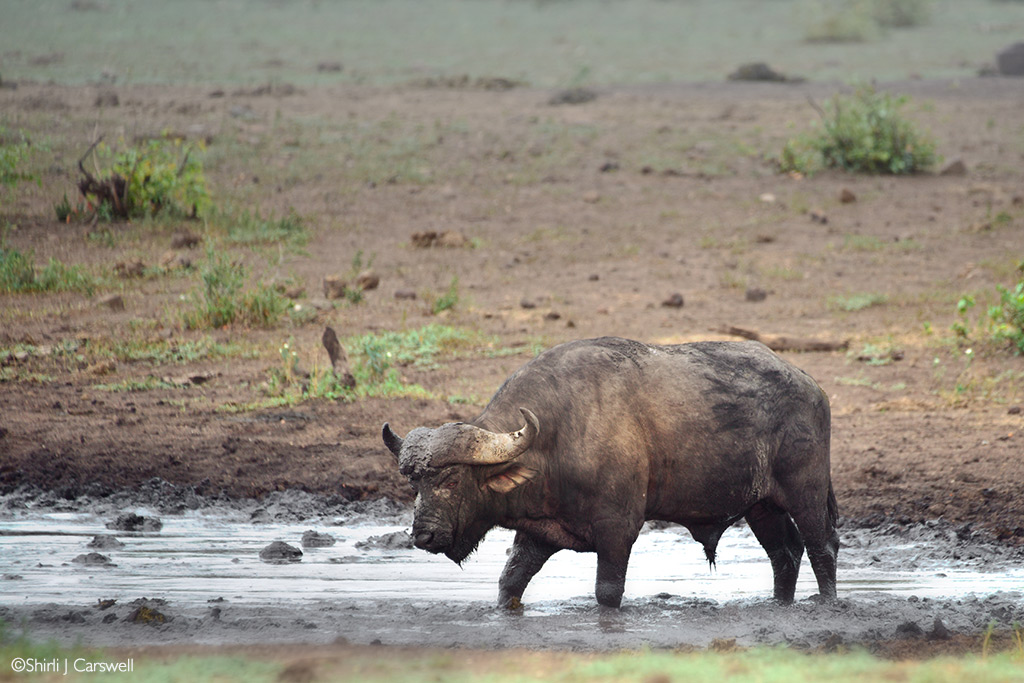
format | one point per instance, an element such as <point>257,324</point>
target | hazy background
<point>552,43</point>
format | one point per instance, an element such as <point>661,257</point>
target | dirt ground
<point>581,220</point>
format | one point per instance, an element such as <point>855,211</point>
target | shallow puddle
<point>201,557</point>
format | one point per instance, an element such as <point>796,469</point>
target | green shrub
<point>18,274</point>
<point>864,133</point>
<point>1004,321</point>
<point>161,177</point>
<point>222,299</point>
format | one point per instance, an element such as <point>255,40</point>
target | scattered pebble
<point>280,552</point>
<point>674,300</point>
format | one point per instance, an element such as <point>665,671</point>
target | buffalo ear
<point>391,440</point>
<point>517,475</point>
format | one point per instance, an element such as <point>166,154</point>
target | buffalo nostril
<point>423,539</point>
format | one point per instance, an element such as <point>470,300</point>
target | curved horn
<point>391,440</point>
<point>491,448</point>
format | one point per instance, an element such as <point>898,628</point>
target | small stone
<point>280,552</point>
<point>329,67</point>
<point>846,196</point>
<point>675,300</point>
<point>819,216</point>
<point>1014,410</point>
<point>552,315</point>
<point>573,96</point>
<point>315,539</point>
<point>755,294</point>
<point>1010,61</point>
<point>527,304</point>
<point>957,167</point>
<point>104,542</point>
<point>94,560</point>
<point>334,287</point>
<point>767,197</point>
<point>396,540</point>
<point>594,277</point>
<point>591,197</point>
<point>405,294</point>
<point>114,302</point>
<point>608,167</point>
<point>368,279</point>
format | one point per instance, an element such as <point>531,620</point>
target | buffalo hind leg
<point>817,524</point>
<point>778,535</point>
<point>525,559</point>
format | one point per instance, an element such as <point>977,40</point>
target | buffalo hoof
<point>513,604</point>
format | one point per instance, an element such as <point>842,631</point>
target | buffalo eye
<point>451,484</point>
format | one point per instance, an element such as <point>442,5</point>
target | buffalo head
<point>458,470</point>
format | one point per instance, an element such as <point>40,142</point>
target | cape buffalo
<point>618,432</point>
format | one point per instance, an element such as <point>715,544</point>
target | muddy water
<point>197,558</point>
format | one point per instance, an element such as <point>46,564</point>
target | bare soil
<point>581,219</point>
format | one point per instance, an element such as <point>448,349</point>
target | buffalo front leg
<point>527,556</point>
<point>613,545</point>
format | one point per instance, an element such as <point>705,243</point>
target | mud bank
<point>199,580</point>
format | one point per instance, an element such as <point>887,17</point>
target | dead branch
<point>778,342</point>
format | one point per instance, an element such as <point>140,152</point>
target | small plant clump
<point>161,177</point>
<point>222,299</point>
<point>14,149</point>
<point>863,133</point>
<point>1003,322</point>
<point>18,273</point>
<point>854,21</point>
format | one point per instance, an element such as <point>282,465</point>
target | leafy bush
<point>222,299</point>
<point>1004,321</point>
<point>863,132</point>
<point>161,177</point>
<point>18,274</point>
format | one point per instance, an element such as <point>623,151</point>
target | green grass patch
<point>863,133</point>
<point>376,361</point>
<point>15,148</point>
<point>148,383</point>
<point>856,302</point>
<point>222,299</point>
<point>164,351</point>
<point>18,273</point>
<point>250,228</point>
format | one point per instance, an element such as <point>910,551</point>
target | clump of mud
<point>280,552</point>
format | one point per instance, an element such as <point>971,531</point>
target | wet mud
<point>200,580</point>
